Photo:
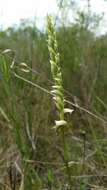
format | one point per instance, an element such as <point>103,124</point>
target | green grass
<point>47,140</point>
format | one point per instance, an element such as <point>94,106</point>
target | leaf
<point>4,115</point>
<point>50,176</point>
<point>4,68</point>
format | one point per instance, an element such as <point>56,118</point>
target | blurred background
<point>31,154</point>
<point>13,11</point>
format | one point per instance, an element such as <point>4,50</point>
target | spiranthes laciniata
<point>57,88</point>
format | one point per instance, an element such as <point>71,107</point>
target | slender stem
<point>66,157</point>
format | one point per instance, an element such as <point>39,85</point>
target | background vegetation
<point>31,153</point>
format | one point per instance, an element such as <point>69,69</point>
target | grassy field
<point>53,108</point>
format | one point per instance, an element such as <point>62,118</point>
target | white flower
<point>67,110</point>
<point>60,123</point>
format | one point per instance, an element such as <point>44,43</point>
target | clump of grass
<point>57,91</point>
<point>13,120</point>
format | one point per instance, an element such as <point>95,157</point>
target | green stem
<point>66,157</point>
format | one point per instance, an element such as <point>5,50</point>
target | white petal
<point>60,122</point>
<point>54,98</point>
<point>67,110</point>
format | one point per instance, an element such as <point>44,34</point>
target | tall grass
<point>35,156</point>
